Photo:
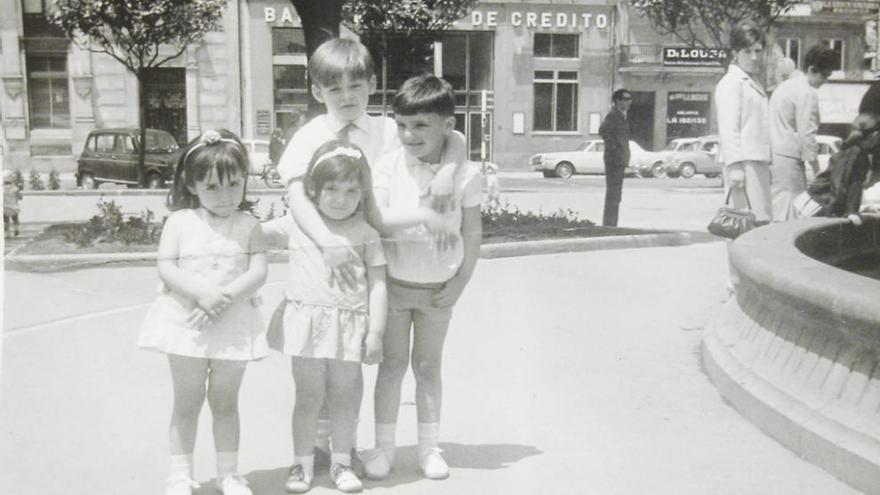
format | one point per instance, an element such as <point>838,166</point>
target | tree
<point>132,32</point>
<point>320,20</point>
<point>706,23</point>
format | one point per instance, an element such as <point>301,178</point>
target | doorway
<point>166,101</point>
<point>641,119</point>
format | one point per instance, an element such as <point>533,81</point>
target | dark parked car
<point>111,155</point>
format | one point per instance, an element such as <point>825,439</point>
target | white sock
<point>182,466</point>
<point>227,463</point>
<point>308,464</point>
<point>344,459</point>
<point>385,437</point>
<point>428,435</point>
<point>322,435</point>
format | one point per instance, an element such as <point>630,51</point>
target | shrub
<point>36,182</point>
<point>18,179</point>
<point>54,180</point>
<point>509,221</point>
<point>111,225</point>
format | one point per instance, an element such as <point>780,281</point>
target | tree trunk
<point>142,123</point>
<point>320,21</point>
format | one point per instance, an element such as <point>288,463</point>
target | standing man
<point>794,123</point>
<point>615,132</point>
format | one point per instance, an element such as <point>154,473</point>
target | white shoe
<point>432,464</point>
<point>345,479</point>
<point>233,484</point>
<point>180,485</point>
<point>378,462</point>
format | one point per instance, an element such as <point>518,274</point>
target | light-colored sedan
<point>258,154</point>
<point>701,157</point>
<point>654,166</point>
<point>586,159</point>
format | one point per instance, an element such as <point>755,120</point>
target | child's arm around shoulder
<point>385,219</point>
<point>255,276</point>
<point>442,186</point>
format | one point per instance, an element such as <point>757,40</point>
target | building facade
<point>528,77</point>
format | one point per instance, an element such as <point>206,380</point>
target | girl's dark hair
<point>203,156</point>
<point>744,35</point>
<point>337,160</point>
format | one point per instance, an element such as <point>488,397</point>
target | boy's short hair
<point>821,58</point>
<point>424,94</point>
<point>337,57</point>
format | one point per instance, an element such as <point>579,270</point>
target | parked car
<point>654,167</point>
<point>700,158</point>
<point>645,162</point>
<point>258,154</point>
<point>111,155</point>
<point>586,159</point>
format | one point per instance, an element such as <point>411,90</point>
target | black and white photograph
<point>270,247</point>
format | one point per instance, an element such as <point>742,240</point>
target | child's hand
<point>372,350</point>
<point>340,259</point>
<point>449,294</point>
<point>198,319</point>
<point>213,302</point>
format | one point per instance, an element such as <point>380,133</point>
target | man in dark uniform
<point>615,132</point>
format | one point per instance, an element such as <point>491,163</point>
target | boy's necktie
<point>344,134</point>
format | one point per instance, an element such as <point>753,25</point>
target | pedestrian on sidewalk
<point>744,125</point>
<point>211,263</point>
<point>11,203</point>
<point>615,132</point>
<point>493,187</point>
<point>794,123</point>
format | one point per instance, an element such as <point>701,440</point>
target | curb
<point>132,192</point>
<point>488,251</point>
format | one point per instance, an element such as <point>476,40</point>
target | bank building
<point>528,77</point>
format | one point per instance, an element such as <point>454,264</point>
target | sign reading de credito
<point>538,17</point>
<point>677,56</point>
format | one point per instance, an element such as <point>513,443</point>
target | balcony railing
<point>634,55</point>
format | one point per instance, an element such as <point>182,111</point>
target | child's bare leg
<point>188,375</point>
<point>429,333</point>
<point>343,398</point>
<point>224,382</point>
<point>392,369</point>
<point>310,376</point>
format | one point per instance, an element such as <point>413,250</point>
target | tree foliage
<point>707,23</point>
<point>131,31</point>
<point>405,16</point>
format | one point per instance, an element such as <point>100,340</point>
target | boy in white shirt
<point>423,282</point>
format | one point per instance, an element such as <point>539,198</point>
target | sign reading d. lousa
<point>677,56</point>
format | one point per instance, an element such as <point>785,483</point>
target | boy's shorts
<point>405,296</point>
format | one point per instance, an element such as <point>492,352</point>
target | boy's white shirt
<point>399,179</point>
<point>375,136</point>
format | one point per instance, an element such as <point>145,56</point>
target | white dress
<point>217,258</point>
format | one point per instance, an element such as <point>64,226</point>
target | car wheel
<point>564,170</point>
<point>687,170</point>
<point>548,174</point>
<point>154,181</point>
<point>658,171</point>
<point>711,176</point>
<point>87,181</point>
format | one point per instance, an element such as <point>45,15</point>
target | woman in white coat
<point>744,124</point>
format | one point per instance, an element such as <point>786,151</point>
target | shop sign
<point>284,15</point>
<point>677,56</point>
<point>687,113</point>
<point>264,122</point>
<point>539,20</point>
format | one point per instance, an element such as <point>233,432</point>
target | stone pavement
<point>570,373</point>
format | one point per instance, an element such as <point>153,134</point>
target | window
<point>105,143</point>
<point>556,45</point>
<point>48,91</point>
<point>836,45</point>
<point>288,41</point>
<point>555,100</point>
<point>289,75</point>
<point>791,48</point>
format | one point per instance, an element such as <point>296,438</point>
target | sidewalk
<point>570,373</point>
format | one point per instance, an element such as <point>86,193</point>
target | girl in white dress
<point>329,329</point>
<point>211,263</point>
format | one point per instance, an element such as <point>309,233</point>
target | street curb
<point>133,192</point>
<point>500,250</point>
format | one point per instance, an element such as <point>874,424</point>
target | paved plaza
<point>573,373</point>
